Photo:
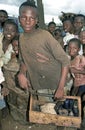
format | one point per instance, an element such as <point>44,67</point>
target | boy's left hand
<point>4,91</point>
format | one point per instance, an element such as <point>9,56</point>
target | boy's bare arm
<point>77,70</point>
<point>60,91</point>
<point>23,81</point>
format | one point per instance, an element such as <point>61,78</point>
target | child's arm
<point>76,66</point>
<point>77,70</point>
<point>60,91</point>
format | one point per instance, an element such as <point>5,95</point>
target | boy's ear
<point>36,20</point>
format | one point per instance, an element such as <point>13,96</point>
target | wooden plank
<point>45,118</point>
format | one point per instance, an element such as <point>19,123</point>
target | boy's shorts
<point>47,94</point>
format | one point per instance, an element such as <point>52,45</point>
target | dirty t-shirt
<point>43,57</point>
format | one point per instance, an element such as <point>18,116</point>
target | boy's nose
<point>28,20</point>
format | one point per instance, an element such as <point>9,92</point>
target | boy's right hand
<point>23,81</point>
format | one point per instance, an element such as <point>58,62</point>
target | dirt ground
<point>9,123</point>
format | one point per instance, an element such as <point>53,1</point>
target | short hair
<point>4,11</point>
<point>58,30</point>
<point>29,4</point>
<point>76,41</point>
<point>12,22</point>
<point>50,23</point>
<point>79,15</point>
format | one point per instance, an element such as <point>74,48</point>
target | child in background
<point>51,27</point>
<point>73,49</point>
<point>82,39</point>
<point>77,69</point>
<point>10,31</point>
<point>3,18</point>
<point>58,36</point>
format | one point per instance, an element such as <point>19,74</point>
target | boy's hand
<point>4,91</point>
<point>23,81</point>
<point>59,94</point>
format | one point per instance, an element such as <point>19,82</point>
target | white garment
<point>67,38</point>
<point>5,57</point>
<point>2,79</point>
<point>81,50</point>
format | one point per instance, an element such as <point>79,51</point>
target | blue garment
<point>1,30</point>
<point>2,103</point>
<point>81,89</point>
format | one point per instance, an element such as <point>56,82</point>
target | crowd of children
<point>73,48</point>
<point>74,45</point>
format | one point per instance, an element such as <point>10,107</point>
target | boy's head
<point>51,26</point>
<point>3,16</point>
<point>68,25</point>
<point>10,29</point>
<point>28,16</point>
<point>58,33</point>
<point>79,22</point>
<point>74,47</point>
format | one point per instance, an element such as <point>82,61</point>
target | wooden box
<point>59,120</point>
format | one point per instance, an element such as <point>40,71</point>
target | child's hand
<point>4,91</point>
<point>59,94</point>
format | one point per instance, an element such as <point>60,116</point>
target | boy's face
<point>28,18</point>
<point>78,23</point>
<point>51,28</point>
<point>67,25</point>
<point>3,17</point>
<point>9,31</point>
<point>73,49</point>
<point>82,37</point>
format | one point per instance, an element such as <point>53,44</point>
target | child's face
<point>67,25</point>
<point>78,23</point>
<point>51,28</point>
<point>28,18</point>
<point>73,49</point>
<point>9,31</point>
<point>3,17</point>
<point>82,37</point>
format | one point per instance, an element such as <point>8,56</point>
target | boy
<point>77,69</point>
<point>51,27</point>
<point>44,60</point>
<point>3,18</point>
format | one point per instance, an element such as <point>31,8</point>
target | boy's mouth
<point>8,35</point>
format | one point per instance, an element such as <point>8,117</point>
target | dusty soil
<point>9,123</point>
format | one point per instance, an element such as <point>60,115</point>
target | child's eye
<point>23,18</point>
<point>28,18</point>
